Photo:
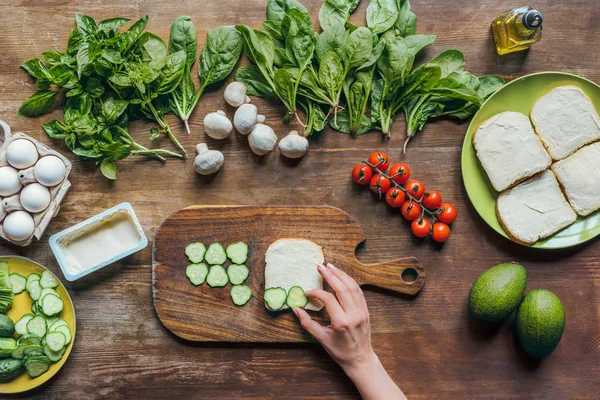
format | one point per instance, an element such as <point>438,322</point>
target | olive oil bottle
<point>517,29</point>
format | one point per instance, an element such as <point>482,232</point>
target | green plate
<point>520,95</point>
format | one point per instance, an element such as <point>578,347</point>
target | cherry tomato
<point>420,228</point>
<point>362,174</point>
<point>448,213</point>
<point>415,188</point>
<point>395,197</point>
<point>379,184</point>
<point>400,173</point>
<point>410,210</point>
<point>441,232</point>
<point>380,161</point>
<point>432,199</point>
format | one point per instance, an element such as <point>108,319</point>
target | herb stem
<point>167,129</point>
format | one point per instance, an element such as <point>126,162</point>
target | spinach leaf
<point>331,39</point>
<point>335,12</point>
<point>284,87</point>
<point>381,15</point>
<point>184,37</point>
<point>331,73</point>
<point>255,83</point>
<point>407,20</point>
<point>219,55</point>
<point>38,103</point>
<point>276,9</point>
<point>358,48</point>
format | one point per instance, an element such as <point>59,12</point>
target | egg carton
<point>26,176</point>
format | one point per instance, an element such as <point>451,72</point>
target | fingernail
<point>321,267</point>
<point>331,266</point>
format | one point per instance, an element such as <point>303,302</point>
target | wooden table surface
<point>429,346</point>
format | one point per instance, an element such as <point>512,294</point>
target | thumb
<point>311,326</point>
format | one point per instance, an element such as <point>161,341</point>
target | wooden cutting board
<point>207,314</point>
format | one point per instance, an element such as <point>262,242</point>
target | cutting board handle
<point>404,275</point>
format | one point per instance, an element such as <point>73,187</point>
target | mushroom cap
<point>262,139</point>
<point>235,94</point>
<point>208,162</point>
<point>293,145</point>
<point>245,117</point>
<point>217,125</point>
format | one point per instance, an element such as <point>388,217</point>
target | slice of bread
<point>293,262</point>
<point>565,119</point>
<point>579,175</point>
<point>509,150</point>
<point>534,209</point>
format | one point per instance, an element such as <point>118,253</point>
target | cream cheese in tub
<point>98,241</point>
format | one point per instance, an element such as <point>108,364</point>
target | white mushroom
<point>217,125</point>
<point>207,161</point>
<point>246,117</point>
<point>235,94</point>
<point>262,139</point>
<point>293,145</point>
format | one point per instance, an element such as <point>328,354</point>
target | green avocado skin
<point>540,323</point>
<point>497,292</point>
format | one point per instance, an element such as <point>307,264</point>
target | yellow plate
<point>22,305</point>
<point>520,95</point>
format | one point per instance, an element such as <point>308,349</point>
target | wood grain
<point>430,347</point>
<point>206,314</point>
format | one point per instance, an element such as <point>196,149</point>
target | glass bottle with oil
<point>517,29</point>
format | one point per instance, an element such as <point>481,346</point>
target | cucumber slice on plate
<point>37,365</point>
<point>48,281</point>
<point>196,273</point>
<point>34,289</point>
<point>217,276</point>
<point>237,252</point>
<point>18,352</point>
<point>215,255</point>
<point>33,350</point>
<point>195,252</point>
<point>240,294</point>
<point>21,325</point>
<point>17,282</point>
<point>33,277</point>
<point>29,339</point>
<point>37,326</point>
<point>46,291</point>
<point>58,323</point>
<point>275,298</point>
<point>54,356</point>
<point>50,321</point>
<point>51,305</point>
<point>56,340</point>
<point>237,274</point>
<point>65,330</point>
<point>296,297</point>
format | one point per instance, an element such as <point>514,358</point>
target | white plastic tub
<point>99,241</point>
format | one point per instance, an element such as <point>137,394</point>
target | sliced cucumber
<point>275,298</point>
<point>240,294</point>
<point>33,277</point>
<point>296,297</point>
<point>237,274</point>
<point>58,323</point>
<point>18,352</point>
<point>21,325</point>
<point>46,291</point>
<point>17,282</point>
<point>196,273</point>
<point>237,252</point>
<point>52,304</point>
<point>50,321</point>
<point>215,255</point>
<point>34,289</point>
<point>37,365</point>
<point>37,326</point>
<point>217,276</point>
<point>48,281</point>
<point>33,350</point>
<point>65,330</point>
<point>56,340</point>
<point>54,356</point>
<point>195,252</point>
<point>29,339</point>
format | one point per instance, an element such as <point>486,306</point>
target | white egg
<point>2,212</point>
<point>35,198</point>
<point>50,171</point>
<point>22,154</point>
<point>18,226</point>
<point>9,181</point>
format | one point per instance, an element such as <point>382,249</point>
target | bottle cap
<point>533,19</point>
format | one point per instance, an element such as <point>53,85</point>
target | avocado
<point>7,326</point>
<point>540,323</point>
<point>497,292</point>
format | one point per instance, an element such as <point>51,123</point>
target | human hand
<point>348,338</point>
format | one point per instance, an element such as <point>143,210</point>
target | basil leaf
<point>36,68</point>
<point>55,129</point>
<point>128,38</point>
<point>276,9</point>
<point>112,25</point>
<point>172,72</point>
<point>220,54</point>
<point>381,15</point>
<point>184,37</point>
<point>108,169</point>
<point>86,25</point>
<point>38,103</point>
<point>112,109</point>
<point>52,57</point>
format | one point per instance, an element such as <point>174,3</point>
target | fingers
<point>311,326</point>
<point>353,287</point>
<point>339,287</point>
<point>335,311</point>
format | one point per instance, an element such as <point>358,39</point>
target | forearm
<point>373,382</point>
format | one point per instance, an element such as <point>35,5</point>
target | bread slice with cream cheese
<point>509,150</point>
<point>579,175</point>
<point>293,262</point>
<point>565,119</point>
<point>534,209</point>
